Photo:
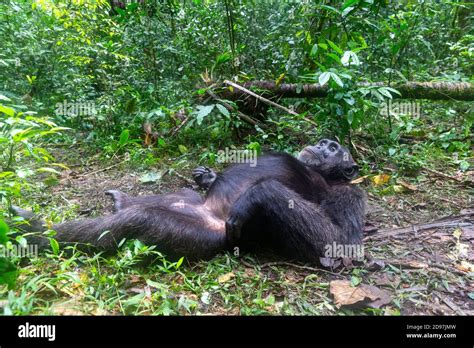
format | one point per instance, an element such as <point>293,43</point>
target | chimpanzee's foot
<point>32,223</point>
<point>120,199</point>
<point>25,214</point>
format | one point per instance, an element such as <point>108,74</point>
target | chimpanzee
<point>295,206</point>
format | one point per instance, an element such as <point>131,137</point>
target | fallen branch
<point>267,101</point>
<point>450,221</point>
<point>408,90</point>
<point>435,172</point>
<point>100,170</point>
<point>434,267</point>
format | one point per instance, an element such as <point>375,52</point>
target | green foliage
<point>152,64</point>
<point>20,132</point>
<point>8,271</point>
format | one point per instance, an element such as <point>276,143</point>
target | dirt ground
<point>428,265</point>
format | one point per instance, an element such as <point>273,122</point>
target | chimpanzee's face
<point>330,159</point>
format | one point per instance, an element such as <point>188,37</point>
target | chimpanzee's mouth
<point>315,154</point>
<point>310,157</point>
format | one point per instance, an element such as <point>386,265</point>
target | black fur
<point>295,206</point>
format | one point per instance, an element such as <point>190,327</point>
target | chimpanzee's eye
<point>323,142</point>
<point>332,147</point>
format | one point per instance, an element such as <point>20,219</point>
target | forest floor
<point>421,270</point>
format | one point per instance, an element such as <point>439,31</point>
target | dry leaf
<point>409,264</point>
<point>457,233</point>
<point>345,294</point>
<point>69,307</point>
<point>359,180</point>
<point>387,279</point>
<point>465,266</point>
<point>225,277</point>
<point>381,179</point>
<point>375,265</point>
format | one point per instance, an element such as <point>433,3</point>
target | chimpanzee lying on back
<point>296,206</point>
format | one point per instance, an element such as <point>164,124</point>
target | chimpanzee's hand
<point>204,177</point>
<point>233,229</point>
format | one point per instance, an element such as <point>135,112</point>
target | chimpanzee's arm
<point>304,227</point>
<point>345,205</point>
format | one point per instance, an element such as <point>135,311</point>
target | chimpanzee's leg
<point>177,230</point>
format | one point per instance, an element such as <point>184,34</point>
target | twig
<point>433,267</point>
<point>231,108</point>
<point>448,201</point>
<point>267,101</point>
<point>189,181</point>
<point>435,172</point>
<point>285,263</point>
<point>100,170</point>
<point>449,269</point>
<point>176,130</point>
<point>450,221</point>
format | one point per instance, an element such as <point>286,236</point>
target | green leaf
<point>222,58</point>
<point>355,280</point>
<point>393,90</point>
<point>330,8</point>
<point>347,11</point>
<point>124,136</point>
<point>324,78</point>
<point>151,177</point>
<point>337,79</point>
<point>349,3</point>
<point>6,110</point>
<point>203,111</point>
<point>385,92</point>
<point>54,245</point>
<point>350,117</point>
<point>314,51</point>
<point>49,170</point>
<point>154,284</point>
<point>464,165</point>
<point>334,46</point>
<point>8,272</point>
<point>223,110</point>
<point>180,261</point>
<point>3,232</point>
<point>323,46</point>
<point>334,57</point>
<point>270,300</point>
<point>349,58</point>
<point>183,149</point>
<point>103,234</point>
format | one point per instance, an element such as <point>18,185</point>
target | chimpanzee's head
<point>330,159</point>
